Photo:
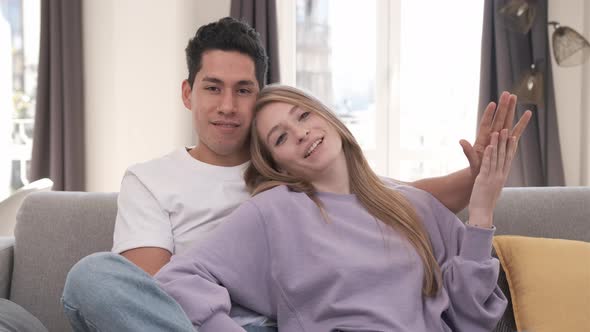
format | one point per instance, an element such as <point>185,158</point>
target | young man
<point>168,203</point>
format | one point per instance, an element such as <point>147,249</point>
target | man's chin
<point>231,150</point>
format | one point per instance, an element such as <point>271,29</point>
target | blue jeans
<point>106,292</point>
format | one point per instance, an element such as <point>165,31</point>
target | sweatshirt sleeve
<point>233,261</point>
<point>469,272</point>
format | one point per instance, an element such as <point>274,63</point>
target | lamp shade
<point>569,47</point>
<point>530,88</point>
<point>519,15</point>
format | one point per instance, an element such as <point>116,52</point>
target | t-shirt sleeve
<point>141,221</point>
<point>469,272</point>
<point>233,260</point>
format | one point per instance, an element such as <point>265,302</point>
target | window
<point>402,75</point>
<point>19,52</point>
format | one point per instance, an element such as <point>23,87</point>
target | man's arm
<point>143,232</point>
<point>149,259</point>
<point>454,190</point>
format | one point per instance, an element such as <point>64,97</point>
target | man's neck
<point>212,158</point>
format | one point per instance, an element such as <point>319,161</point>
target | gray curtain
<point>58,142</point>
<point>262,16</point>
<point>505,56</point>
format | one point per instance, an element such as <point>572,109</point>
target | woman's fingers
<point>502,150</point>
<point>494,153</point>
<point>485,162</point>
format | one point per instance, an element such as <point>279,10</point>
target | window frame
<point>388,155</point>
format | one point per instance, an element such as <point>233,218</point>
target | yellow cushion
<point>549,282</point>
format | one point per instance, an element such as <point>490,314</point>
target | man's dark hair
<point>227,34</point>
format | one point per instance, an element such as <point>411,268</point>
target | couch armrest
<point>54,230</point>
<point>6,259</point>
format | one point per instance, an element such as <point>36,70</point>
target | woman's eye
<point>303,116</point>
<point>281,139</point>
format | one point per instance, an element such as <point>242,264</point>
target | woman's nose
<point>303,134</point>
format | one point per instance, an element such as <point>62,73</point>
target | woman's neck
<point>335,178</point>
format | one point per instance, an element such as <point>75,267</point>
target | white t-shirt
<point>175,200</point>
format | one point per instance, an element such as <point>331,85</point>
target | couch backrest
<point>553,212</point>
<point>56,229</point>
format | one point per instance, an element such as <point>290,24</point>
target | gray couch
<point>56,229</point>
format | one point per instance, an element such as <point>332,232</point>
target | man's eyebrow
<point>218,81</point>
<point>246,82</point>
<point>273,129</point>
<point>212,80</point>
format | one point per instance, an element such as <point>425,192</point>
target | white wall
<point>572,95</point>
<point>133,66</point>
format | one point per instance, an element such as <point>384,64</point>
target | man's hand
<point>454,190</point>
<point>491,122</point>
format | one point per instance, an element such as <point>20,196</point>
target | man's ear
<point>186,94</point>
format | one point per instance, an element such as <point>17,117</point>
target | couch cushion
<point>54,230</point>
<point>548,280</point>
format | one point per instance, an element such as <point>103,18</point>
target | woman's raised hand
<point>495,167</point>
<point>495,118</point>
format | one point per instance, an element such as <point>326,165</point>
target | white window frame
<point>388,153</point>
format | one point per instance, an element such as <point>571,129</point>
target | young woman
<point>327,245</point>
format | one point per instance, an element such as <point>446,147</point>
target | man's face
<point>222,99</point>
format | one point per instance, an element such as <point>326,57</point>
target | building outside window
<point>19,52</point>
<point>402,75</point>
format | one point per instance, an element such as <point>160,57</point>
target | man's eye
<point>244,91</point>
<point>281,139</point>
<point>303,116</point>
<point>212,88</point>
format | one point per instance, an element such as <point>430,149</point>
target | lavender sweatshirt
<point>276,255</point>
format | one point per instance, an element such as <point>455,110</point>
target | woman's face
<point>302,143</point>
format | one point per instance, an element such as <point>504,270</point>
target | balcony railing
<point>22,145</point>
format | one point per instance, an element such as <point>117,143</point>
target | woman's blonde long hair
<point>385,204</point>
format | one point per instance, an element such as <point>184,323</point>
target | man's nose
<point>228,103</point>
